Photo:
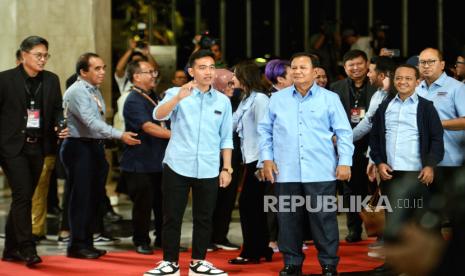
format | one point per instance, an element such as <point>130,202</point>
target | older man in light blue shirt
<point>201,128</point>
<point>298,153</point>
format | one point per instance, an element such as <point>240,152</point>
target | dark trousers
<point>253,218</point>
<point>87,170</point>
<point>271,217</point>
<point>357,186</point>
<point>408,198</point>
<point>323,225</point>
<point>144,189</point>
<point>175,189</point>
<point>23,172</point>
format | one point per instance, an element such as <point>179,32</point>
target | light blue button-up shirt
<point>201,125</point>
<point>448,97</point>
<point>296,134</point>
<point>245,120</point>
<point>402,136</point>
<point>84,108</point>
<point>364,127</point>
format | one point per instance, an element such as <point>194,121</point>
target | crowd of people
<point>286,130</point>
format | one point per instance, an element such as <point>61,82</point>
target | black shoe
<point>353,237</point>
<point>30,257</point>
<point>291,270</point>
<point>144,249</point>
<point>243,261</point>
<point>111,216</point>
<point>328,270</point>
<point>211,247</point>
<point>101,252</point>
<point>85,253</point>
<point>227,245</point>
<point>382,268</point>
<point>36,239</point>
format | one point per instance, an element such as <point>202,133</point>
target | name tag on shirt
<point>218,112</point>
<point>33,118</point>
<point>442,93</point>
<point>357,114</point>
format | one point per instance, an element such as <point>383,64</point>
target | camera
<point>141,44</point>
<point>206,41</point>
<point>61,125</point>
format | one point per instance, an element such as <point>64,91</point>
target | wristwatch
<point>229,170</point>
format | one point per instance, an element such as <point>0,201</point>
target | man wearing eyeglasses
<point>30,109</point>
<point>460,67</point>
<point>448,96</point>
<point>141,165</point>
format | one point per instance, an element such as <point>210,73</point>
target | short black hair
<point>385,65</point>
<point>31,41</point>
<point>198,55</point>
<point>313,58</point>
<point>132,68</point>
<point>406,65</point>
<point>18,55</point>
<point>83,62</point>
<point>352,54</point>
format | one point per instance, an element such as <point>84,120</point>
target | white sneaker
<point>164,268</point>
<point>202,268</point>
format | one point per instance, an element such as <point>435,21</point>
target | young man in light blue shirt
<point>201,128</point>
<point>298,153</point>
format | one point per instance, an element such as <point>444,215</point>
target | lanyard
<point>139,91</point>
<point>99,104</point>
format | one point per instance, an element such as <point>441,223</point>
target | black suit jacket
<point>13,112</point>
<point>342,88</point>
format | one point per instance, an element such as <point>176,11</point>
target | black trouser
<point>145,192</point>
<point>408,198</point>
<point>87,170</point>
<point>323,224</point>
<point>227,197</point>
<point>23,172</point>
<point>357,186</point>
<point>271,217</point>
<point>175,189</point>
<point>253,218</point>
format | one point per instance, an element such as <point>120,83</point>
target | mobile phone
<point>394,52</point>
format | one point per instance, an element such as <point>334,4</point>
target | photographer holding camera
<point>138,50</point>
<point>205,41</point>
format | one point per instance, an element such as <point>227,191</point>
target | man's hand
<point>384,171</point>
<point>128,138</point>
<point>270,169</point>
<point>426,175</point>
<point>260,174</point>
<point>225,179</point>
<point>343,173</point>
<point>64,133</point>
<point>186,90</point>
<point>132,44</point>
<point>371,171</point>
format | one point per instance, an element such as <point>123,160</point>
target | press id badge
<point>357,114</point>
<point>33,118</point>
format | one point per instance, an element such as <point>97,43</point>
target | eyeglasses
<point>459,62</point>
<point>40,56</point>
<point>428,62</point>
<point>151,72</point>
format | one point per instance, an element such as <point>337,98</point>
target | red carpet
<point>353,258</point>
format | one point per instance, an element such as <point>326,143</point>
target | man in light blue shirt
<point>448,96</point>
<point>298,153</point>
<point>201,128</point>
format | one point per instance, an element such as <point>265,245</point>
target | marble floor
<point>121,229</point>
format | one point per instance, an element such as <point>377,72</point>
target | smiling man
<point>201,128</point>
<point>30,108</point>
<point>298,153</point>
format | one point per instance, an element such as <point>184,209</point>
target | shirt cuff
<point>116,134</point>
<point>265,155</point>
<point>345,160</point>
<point>227,144</point>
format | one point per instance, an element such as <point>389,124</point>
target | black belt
<point>89,140</point>
<point>32,140</point>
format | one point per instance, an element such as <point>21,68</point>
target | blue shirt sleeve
<point>265,131</point>
<point>169,94</point>
<point>82,107</point>
<point>226,130</point>
<point>341,127</point>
